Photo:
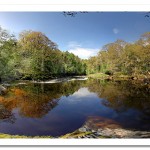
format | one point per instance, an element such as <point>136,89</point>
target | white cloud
<point>84,53</point>
<point>73,44</point>
<point>80,51</point>
<point>115,31</point>
<point>83,92</point>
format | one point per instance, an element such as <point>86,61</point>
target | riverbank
<point>4,86</point>
<point>115,77</point>
<point>103,76</point>
<point>100,127</point>
<point>8,136</point>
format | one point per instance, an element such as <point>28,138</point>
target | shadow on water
<point>59,108</point>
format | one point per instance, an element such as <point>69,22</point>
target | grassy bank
<point>8,136</point>
<point>103,76</point>
<point>74,134</point>
<point>117,76</point>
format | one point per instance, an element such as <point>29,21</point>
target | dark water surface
<point>59,108</point>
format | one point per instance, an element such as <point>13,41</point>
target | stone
<point>6,85</point>
<point>94,136</point>
<point>82,129</point>
<point>93,131</point>
<point>98,133</point>
<point>3,90</point>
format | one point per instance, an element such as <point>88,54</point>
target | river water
<point>55,109</point>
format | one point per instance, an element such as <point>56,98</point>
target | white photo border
<point>77,5</point>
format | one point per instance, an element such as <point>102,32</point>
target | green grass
<point>75,134</point>
<point>116,76</point>
<point>8,136</point>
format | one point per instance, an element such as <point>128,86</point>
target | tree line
<point>34,56</point>
<point>122,58</point>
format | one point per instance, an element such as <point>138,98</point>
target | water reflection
<point>56,109</point>
<point>36,100</point>
<point>122,96</point>
<point>130,100</point>
<point>6,115</point>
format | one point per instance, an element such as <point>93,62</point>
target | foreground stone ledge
<point>94,128</point>
<point>100,127</point>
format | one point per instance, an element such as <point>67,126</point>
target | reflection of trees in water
<point>6,115</point>
<point>123,95</point>
<point>37,110</point>
<point>36,100</point>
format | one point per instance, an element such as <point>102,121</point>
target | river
<point>36,109</point>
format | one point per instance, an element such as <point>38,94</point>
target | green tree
<point>35,49</point>
<point>8,55</point>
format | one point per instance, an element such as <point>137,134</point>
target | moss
<point>103,137</point>
<point>8,136</point>
<point>75,134</point>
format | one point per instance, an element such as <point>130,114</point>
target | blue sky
<point>85,34</point>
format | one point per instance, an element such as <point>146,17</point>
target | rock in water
<point>83,129</point>
<point>3,90</point>
<point>110,128</point>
